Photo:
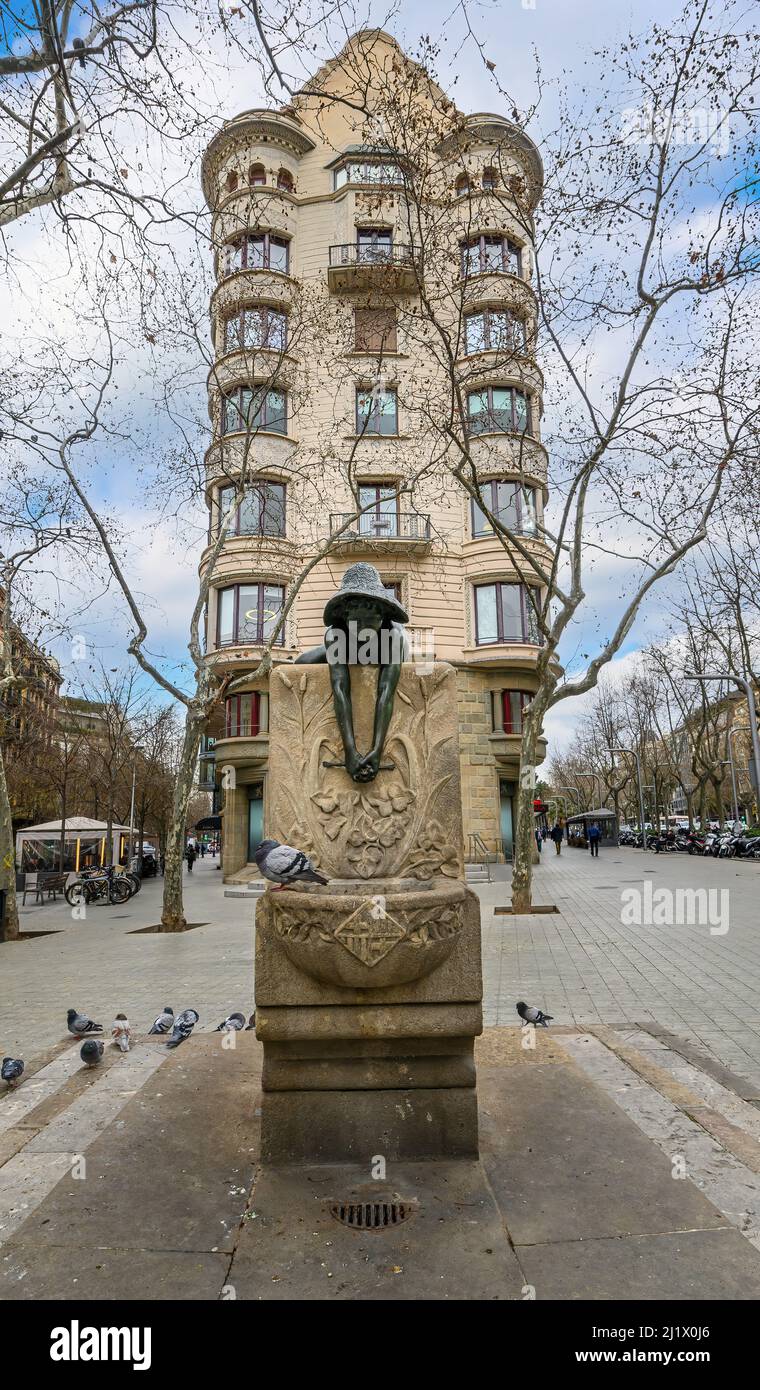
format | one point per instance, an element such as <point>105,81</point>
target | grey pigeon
<point>535,1016</point>
<point>164,1022</point>
<point>79,45</point>
<point>79,1024</point>
<point>283,864</point>
<point>251,1022</point>
<point>11,1070</point>
<point>232,1024</point>
<point>91,1052</point>
<point>183,1027</point>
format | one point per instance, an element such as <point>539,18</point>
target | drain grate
<point>372,1216</point>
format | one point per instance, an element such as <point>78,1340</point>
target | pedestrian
<point>190,857</point>
<point>203,849</point>
<point>544,832</point>
<point>594,836</point>
<point>557,833</point>
<point>539,841</point>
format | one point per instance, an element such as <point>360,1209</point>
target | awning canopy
<point>209,823</point>
<point>601,814</point>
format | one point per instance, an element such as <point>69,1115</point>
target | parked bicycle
<point>98,885</point>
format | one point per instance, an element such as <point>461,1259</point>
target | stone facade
<point>293,206</point>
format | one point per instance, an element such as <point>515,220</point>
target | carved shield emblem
<point>369,935</point>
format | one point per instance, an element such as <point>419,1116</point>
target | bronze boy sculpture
<point>363,627</point>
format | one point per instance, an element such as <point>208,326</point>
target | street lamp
<point>746,686</point>
<point>737,729</point>
<point>575,792</point>
<point>635,755</point>
<point>729,762</point>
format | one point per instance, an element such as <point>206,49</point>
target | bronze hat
<point>363,581</point>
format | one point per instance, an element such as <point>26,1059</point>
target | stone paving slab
<point>680,1266</point>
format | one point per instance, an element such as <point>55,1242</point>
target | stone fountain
<point>368,990</point>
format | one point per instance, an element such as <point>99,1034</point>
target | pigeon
<point>251,1022</point>
<point>283,864</point>
<point>121,1032</point>
<point>79,1024</point>
<point>91,1052</point>
<point>11,1070</point>
<point>232,1024</point>
<point>164,1022</point>
<point>79,44</point>
<point>535,1016</point>
<point>183,1027</point>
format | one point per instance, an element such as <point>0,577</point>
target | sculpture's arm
<point>387,681</point>
<point>316,656</point>
<point>340,680</point>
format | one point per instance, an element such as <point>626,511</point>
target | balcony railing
<point>380,526</point>
<point>380,253</point>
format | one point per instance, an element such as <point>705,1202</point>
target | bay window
<point>513,504</point>
<point>368,171</point>
<point>507,710</point>
<point>504,613</point>
<point>256,328</point>
<point>260,513</point>
<point>494,253</point>
<point>494,330</point>
<point>246,715</point>
<point>248,613</point>
<point>498,410</point>
<point>376,412</point>
<point>254,408</point>
<point>257,251</point>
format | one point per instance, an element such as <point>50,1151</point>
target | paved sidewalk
<point>585,967</point>
<point>141,1181</point>
<point>582,964</point>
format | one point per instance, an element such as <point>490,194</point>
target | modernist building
<point>364,297</point>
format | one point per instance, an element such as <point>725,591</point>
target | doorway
<point>507,792</point>
<point>255,818</point>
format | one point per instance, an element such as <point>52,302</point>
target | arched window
<point>257,175</point>
<point>232,181</point>
<point>489,180</point>
<point>285,180</point>
<point>462,186</point>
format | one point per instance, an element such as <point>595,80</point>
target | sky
<point>562,34</point>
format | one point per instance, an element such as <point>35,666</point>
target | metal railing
<point>381,526</point>
<point>373,253</point>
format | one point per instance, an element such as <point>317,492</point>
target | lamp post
<point>737,729</point>
<point>729,762</point>
<point>746,686</point>
<point>575,792</point>
<point>132,809</point>
<point>635,755</point>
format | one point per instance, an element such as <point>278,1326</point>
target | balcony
<point>382,532</point>
<point>381,268</point>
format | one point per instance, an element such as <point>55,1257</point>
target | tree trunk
<point>522,864</point>
<point>7,860</point>
<point>173,914</point>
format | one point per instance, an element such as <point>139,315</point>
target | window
<point>393,589</point>
<point>462,186</point>
<point>258,251</point>
<point>381,516</point>
<point>256,409</point>
<point>232,181</point>
<point>257,175</point>
<point>368,171</point>
<point>483,253</point>
<point>256,328</point>
<point>498,409</point>
<point>374,244</point>
<point>375,330</point>
<point>488,180</point>
<point>285,180</point>
<point>494,330</point>
<point>245,716</point>
<point>507,710</point>
<point>511,503</point>
<point>261,512</point>
<point>504,613</point>
<point>376,412</point>
<point>248,613</point>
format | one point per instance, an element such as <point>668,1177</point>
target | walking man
<point>556,834</point>
<point>190,856</point>
<point>594,836</point>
